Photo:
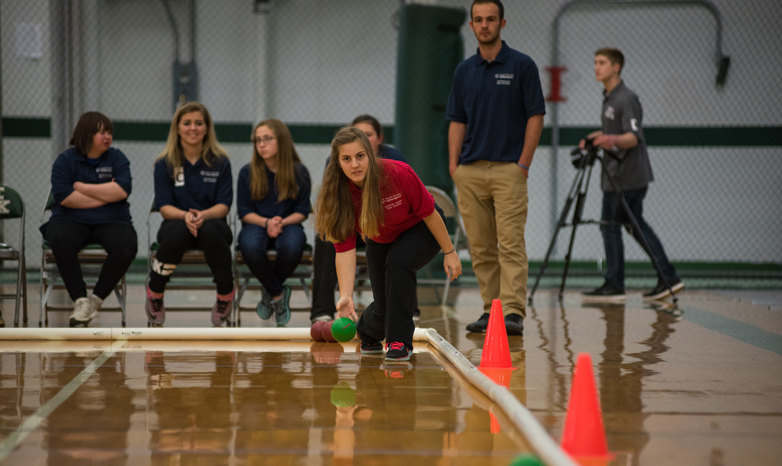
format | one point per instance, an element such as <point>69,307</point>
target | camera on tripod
<point>584,157</point>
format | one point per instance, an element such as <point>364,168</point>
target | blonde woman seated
<point>193,192</point>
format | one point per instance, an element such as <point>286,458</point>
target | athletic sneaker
<point>661,291</point>
<point>480,325</point>
<point>281,307</point>
<point>397,351</point>
<point>264,307</point>
<point>95,303</point>
<point>221,311</point>
<point>370,346</point>
<point>82,313</point>
<point>323,318</point>
<point>604,294</point>
<point>156,311</point>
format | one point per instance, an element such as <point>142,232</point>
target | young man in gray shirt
<point>626,160</point>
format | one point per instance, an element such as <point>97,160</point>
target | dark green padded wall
<point>430,47</point>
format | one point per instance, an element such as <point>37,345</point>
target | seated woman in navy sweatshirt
<point>90,184</point>
<point>193,192</point>
<point>272,200</point>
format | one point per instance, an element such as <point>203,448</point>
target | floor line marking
<point>742,331</point>
<point>9,444</point>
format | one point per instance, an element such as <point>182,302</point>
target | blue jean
<point>612,236</point>
<point>255,243</point>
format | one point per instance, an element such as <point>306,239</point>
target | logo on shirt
<point>504,79</point>
<point>179,177</point>
<point>609,112</point>
<point>394,200</point>
<point>105,172</point>
<point>210,177</point>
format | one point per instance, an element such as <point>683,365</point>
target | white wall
<point>317,62</point>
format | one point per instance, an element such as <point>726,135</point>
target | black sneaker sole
<point>73,322</point>
<point>665,293</point>
<point>472,329</point>
<point>400,359</point>
<point>153,323</point>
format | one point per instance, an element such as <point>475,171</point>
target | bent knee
<point>215,228</point>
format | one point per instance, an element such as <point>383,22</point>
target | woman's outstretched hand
<point>346,308</point>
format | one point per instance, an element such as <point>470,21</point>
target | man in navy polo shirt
<point>496,110</point>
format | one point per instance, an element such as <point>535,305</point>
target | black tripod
<point>577,194</point>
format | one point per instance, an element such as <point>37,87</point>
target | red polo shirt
<point>405,203</point>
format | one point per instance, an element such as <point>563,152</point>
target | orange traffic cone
<point>583,436</point>
<point>496,352</point>
<point>495,360</point>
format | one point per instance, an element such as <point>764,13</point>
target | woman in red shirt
<point>386,202</point>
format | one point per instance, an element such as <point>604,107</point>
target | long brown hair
<point>287,164</point>
<point>211,150</point>
<point>334,215</point>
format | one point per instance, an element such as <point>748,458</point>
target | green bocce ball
<point>343,329</point>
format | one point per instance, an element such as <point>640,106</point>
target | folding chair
<point>458,237</point>
<point>91,259</point>
<point>192,266</point>
<point>12,206</point>
<point>242,274</point>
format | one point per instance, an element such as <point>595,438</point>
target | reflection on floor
<point>697,384</point>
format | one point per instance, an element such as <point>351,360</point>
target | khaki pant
<point>493,203</point>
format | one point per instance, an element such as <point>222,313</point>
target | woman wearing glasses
<point>273,199</point>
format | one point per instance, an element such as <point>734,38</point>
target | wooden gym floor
<point>701,384</point>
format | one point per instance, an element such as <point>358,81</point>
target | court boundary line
<point>9,444</point>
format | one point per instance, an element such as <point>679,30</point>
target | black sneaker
<point>398,351</point>
<point>604,294</point>
<point>514,324</point>
<point>480,325</point>
<point>661,291</point>
<point>370,346</point>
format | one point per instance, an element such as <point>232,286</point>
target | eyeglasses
<point>265,140</point>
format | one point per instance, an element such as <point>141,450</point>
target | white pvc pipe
<point>167,334</point>
<point>517,413</point>
<point>179,346</point>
